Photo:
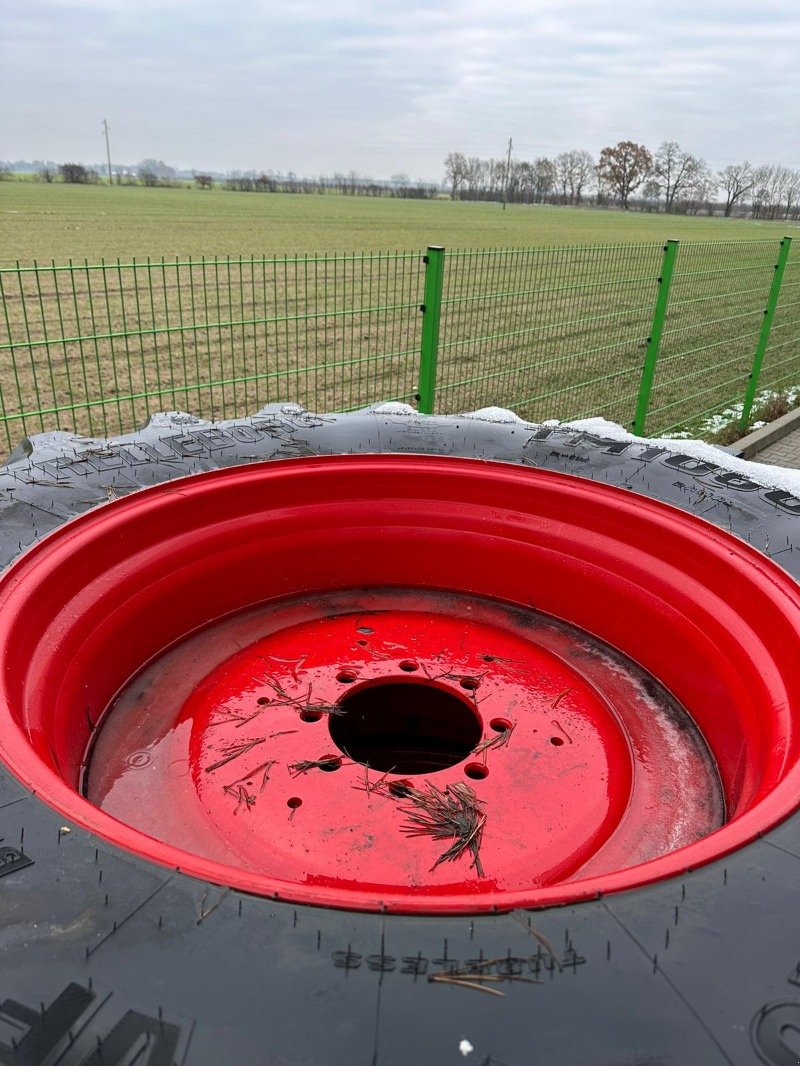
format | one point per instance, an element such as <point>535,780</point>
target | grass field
<point>556,326</point>
<point>78,222</point>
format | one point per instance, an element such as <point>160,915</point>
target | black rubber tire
<point>110,960</point>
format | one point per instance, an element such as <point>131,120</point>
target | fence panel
<point>781,370</point>
<point>549,332</point>
<point>95,348</point>
<point>716,307</point>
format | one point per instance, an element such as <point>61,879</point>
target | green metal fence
<point>717,329</point>
<point>95,348</point>
<point>781,369</point>
<point>659,337</point>
<point>552,332</point>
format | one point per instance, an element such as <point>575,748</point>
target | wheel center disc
<point>306,753</point>
<point>404,682</point>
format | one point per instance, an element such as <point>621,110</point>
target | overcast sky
<point>323,85</point>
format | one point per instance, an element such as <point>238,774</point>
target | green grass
<point>44,222</point>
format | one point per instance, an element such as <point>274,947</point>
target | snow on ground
<point>722,419</point>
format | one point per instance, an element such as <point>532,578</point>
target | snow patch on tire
<point>778,477</point>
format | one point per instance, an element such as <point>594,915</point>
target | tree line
<point>628,175</point>
<point>625,175</point>
<point>351,184</point>
<point>154,173</point>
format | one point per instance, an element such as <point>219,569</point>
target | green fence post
<point>654,340</point>
<point>431,312</point>
<point>766,326</point>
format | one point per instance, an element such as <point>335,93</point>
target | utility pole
<point>108,152</point>
<point>505,180</point>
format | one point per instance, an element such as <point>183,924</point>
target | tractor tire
<point>111,958</point>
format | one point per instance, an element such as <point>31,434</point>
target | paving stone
<point>785,452</point>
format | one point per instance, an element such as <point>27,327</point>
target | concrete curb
<point>755,442</point>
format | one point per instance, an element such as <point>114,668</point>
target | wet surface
<point>234,745</point>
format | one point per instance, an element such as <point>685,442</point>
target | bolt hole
<point>500,725</point>
<point>409,666</point>
<point>329,763</point>
<point>361,643</point>
<point>556,741</point>
<point>346,677</point>
<point>294,802</point>
<point>262,700</point>
<point>402,788</point>
<point>310,716</point>
<point>469,683</point>
<point>364,629</point>
<point>477,771</point>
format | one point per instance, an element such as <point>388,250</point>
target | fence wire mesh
<point>96,348</point>
<point>549,332</point>
<point>781,370</point>
<point>716,308</point>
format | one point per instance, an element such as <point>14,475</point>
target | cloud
<point>391,86</point>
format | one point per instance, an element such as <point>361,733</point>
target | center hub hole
<point>408,727</point>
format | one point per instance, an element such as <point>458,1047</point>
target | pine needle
<point>327,762</point>
<point>234,752</point>
<point>499,740</point>
<point>242,795</point>
<point>454,813</point>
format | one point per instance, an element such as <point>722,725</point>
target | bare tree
<point>147,176</point>
<point>735,181</point>
<point>496,170</point>
<point>155,171</point>
<point>71,172</point>
<point>525,181</point>
<point>475,175</point>
<point>75,173</point>
<point>701,193</point>
<point>793,195</point>
<point>562,166</point>
<point>521,181</point>
<point>264,182</point>
<point>204,181</point>
<point>623,168</point>
<point>651,194</point>
<point>544,178</point>
<point>767,193</point>
<point>519,186</point>
<point>574,171</point>
<point>675,170</point>
<point>455,172</point>
<point>775,192</point>
<point>583,172</point>
<point>46,173</point>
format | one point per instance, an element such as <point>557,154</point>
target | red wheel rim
<point>242,602</point>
